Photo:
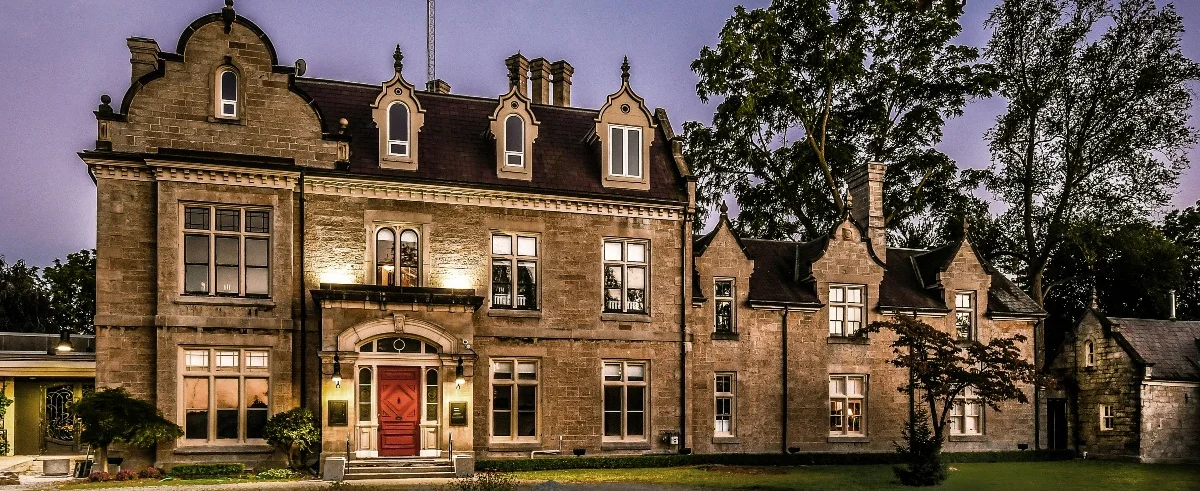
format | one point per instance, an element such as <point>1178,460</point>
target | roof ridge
<point>423,93</point>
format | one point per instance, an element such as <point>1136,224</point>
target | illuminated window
<point>229,402</point>
<point>846,308</point>
<point>724,399</point>
<point>364,394</point>
<point>723,316</point>
<point>625,278</point>
<point>521,251</point>
<point>397,263</point>
<point>964,314</point>
<point>847,398</point>
<point>625,151</point>
<point>966,415</point>
<point>431,395</point>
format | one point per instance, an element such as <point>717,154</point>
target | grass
<point>141,483</point>
<point>1055,476</point>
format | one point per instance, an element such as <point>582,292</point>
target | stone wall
<point>1114,380</point>
<point>1170,422</point>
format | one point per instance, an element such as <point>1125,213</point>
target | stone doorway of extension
<point>399,411</point>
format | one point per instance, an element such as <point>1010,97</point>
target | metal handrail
<point>451,452</point>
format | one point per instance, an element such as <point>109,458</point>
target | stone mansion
<point>508,273</point>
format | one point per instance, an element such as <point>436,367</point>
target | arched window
<point>514,141</point>
<point>227,93</point>
<point>408,260</point>
<point>397,130</point>
<point>431,395</point>
<point>1089,350</point>
<point>364,394</point>
<point>385,257</point>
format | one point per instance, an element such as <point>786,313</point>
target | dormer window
<point>625,151</point>
<point>397,263</point>
<point>227,93</point>
<point>398,129</point>
<point>514,141</point>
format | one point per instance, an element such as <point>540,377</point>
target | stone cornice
<point>492,198</point>
<point>221,174</point>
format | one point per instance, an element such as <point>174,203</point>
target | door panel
<point>399,411</point>
<point>1058,423</point>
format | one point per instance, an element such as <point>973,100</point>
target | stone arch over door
<point>445,341</point>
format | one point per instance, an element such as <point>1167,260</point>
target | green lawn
<point>1019,476</point>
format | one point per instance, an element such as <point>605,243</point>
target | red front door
<point>399,411</point>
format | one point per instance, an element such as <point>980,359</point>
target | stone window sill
<point>247,448</point>
<point>848,439</point>
<point>845,340</point>
<point>613,316</point>
<point>726,440</point>
<point>230,301</point>
<point>519,446</point>
<point>217,119</point>
<point>616,445</point>
<point>726,336</point>
<point>967,438</point>
<point>518,313</point>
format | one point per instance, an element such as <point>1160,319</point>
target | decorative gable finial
<point>227,15</point>
<point>398,56</point>
<point>966,226</point>
<point>625,70</point>
<point>724,209</point>
<point>104,107</point>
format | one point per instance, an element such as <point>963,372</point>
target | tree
<point>72,290</point>
<point>940,369</point>
<point>295,433</point>
<point>24,305</point>
<point>1183,228</point>
<point>113,416</point>
<point>1096,125</point>
<point>812,89</point>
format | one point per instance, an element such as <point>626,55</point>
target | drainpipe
<point>783,446</point>
<point>303,306</point>
<point>1037,390</point>
<point>684,301</point>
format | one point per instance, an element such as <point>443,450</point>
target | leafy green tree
<point>295,433</point>
<point>940,369</point>
<point>24,305</point>
<point>72,289</point>
<point>113,416</point>
<point>1183,228</point>
<point>812,89</point>
<point>1096,125</point>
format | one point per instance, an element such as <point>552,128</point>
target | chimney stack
<point>539,80</point>
<point>562,71</point>
<point>437,86</point>
<point>866,194</point>
<point>518,73</point>
<point>1172,305</point>
<point>143,56</point>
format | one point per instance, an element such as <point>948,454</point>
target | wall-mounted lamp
<point>337,371</point>
<point>458,375</point>
<point>64,341</point>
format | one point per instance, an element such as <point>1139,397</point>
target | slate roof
<point>1170,346</point>
<point>902,287</point>
<point>779,276</point>
<point>455,147</point>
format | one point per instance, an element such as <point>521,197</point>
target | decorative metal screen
<point>60,423</point>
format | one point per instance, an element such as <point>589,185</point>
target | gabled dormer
<point>625,128</point>
<point>399,118</point>
<point>514,129</point>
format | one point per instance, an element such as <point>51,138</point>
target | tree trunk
<point>102,455</point>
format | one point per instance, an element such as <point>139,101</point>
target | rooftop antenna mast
<point>430,41</point>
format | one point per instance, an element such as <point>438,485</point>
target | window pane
<point>408,248</point>
<point>227,280</point>
<point>502,283</point>
<point>724,383</point>
<point>612,288</point>
<point>526,370</point>
<point>527,246</point>
<point>227,359</point>
<point>195,249</point>
<point>227,251</point>
<point>256,281</point>
<point>228,220</point>
<point>613,401</point>
<point>195,279</point>
<point>612,251</point>
<point>229,86</point>
<point>526,410</point>
<point>636,373</point>
<point>226,393</point>
<point>637,278</point>
<point>635,423</point>
<point>501,410</point>
<point>504,370</point>
<point>636,398</point>
<point>195,397</point>
<point>633,164</point>
<point>724,288</point>
<point>256,252</point>
<point>256,359</point>
<point>854,295</point>
<point>196,218</point>
<point>256,406</point>
<point>854,387</point>
<point>195,358</point>
<point>616,151</point>
<point>229,109</point>
<point>514,138</point>
<point>724,317</point>
<point>612,371</point>
<point>637,253</point>
<point>502,244</point>
<point>398,122</point>
<point>835,416</point>
<point>364,394</point>
<point>258,222</point>
<point>836,294</point>
<point>527,285</point>
<point>514,160</point>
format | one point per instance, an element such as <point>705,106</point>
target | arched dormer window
<point>397,263</point>
<point>514,141</point>
<point>397,130</point>
<point>1089,354</point>
<point>227,93</point>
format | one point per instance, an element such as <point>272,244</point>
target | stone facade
<point>308,152</point>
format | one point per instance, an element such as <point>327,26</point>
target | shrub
<point>100,476</point>
<point>277,474</point>
<point>294,432</point>
<point>207,471</point>
<point>487,481</point>
<point>113,416</point>
<point>150,473</point>
<point>920,454</point>
<point>127,475</point>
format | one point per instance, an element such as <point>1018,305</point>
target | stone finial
<point>105,108</point>
<point>398,58</point>
<point>724,209</point>
<point>228,15</point>
<point>1095,304</point>
<point>625,70</point>
<point>345,125</point>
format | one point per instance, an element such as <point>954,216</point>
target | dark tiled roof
<point>454,146</point>
<point>775,279</point>
<point>930,264</point>
<point>902,288</point>
<point>1005,297</point>
<point>1171,346</point>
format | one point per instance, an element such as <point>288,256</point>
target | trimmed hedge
<point>207,471</point>
<point>747,459</point>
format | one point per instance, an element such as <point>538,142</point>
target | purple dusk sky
<point>59,56</point>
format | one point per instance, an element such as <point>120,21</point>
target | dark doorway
<point>1057,429</point>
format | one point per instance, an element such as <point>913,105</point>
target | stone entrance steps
<point>399,468</point>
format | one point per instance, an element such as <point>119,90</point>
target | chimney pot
<point>562,71</point>
<point>437,86</point>
<point>539,80</point>
<point>866,194</point>
<point>1172,305</point>
<point>518,73</point>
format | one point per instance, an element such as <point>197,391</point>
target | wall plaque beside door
<point>338,413</point>
<point>458,414</point>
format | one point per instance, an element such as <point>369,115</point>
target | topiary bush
<point>207,471</point>
<point>295,433</point>
<point>150,473</point>
<point>99,476</point>
<point>126,475</point>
